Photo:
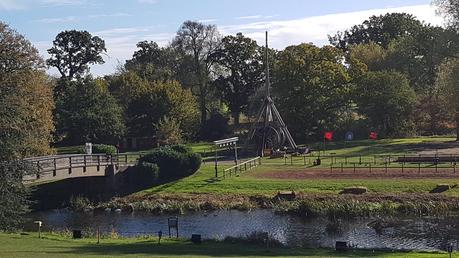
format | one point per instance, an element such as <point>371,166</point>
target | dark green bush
<point>146,173</point>
<point>174,161</point>
<point>103,149</point>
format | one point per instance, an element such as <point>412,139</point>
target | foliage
<point>449,88</point>
<point>26,99</point>
<point>241,60</point>
<point>159,100</point>
<point>152,62</point>
<point>73,51</point>
<point>449,9</point>
<point>216,127</point>
<point>168,132</point>
<point>13,194</point>
<point>386,99</point>
<point>378,29</point>
<point>146,174</point>
<point>173,162</point>
<point>312,87</point>
<point>87,112</point>
<point>198,41</point>
<point>103,149</point>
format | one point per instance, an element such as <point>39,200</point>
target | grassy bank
<point>51,245</point>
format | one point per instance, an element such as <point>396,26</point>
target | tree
<point>312,86</point>
<point>153,62</point>
<point>199,41</point>
<point>448,84</point>
<point>26,99</point>
<point>386,100</point>
<point>168,132</point>
<point>241,60</point>
<point>73,51</point>
<point>159,100</point>
<point>26,103</point>
<point>378,29</point>
<point>450,11</point>
<point>87,112</point>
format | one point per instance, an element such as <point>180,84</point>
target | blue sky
<point>122,23</point>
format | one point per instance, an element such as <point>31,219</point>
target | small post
<point>385,164</point>
<point>55,167</point>
<point>285,159</point>
<point>341,167</point>
<point>98,235</point>
<point>304,160</point>
<point>39,223</point>
<point>419,168</point>
<point>370,166</point>
<point>216,165</point>
<point>354,167</point>
<point>84,161</point>
<point>403,165</point>
<point>160,234</point>
<point>70,165</point>
<point>291,159</point>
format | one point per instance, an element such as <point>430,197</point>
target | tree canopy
<point>73,51</point>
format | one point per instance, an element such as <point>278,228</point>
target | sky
<point>123,23</point>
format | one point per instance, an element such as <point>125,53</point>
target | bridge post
<point>84,161</point>
<point>55,167</point>
<point>98,162</point>
<point>70,165</point>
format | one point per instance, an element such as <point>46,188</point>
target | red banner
<point>373,136</point>
<point>328,136</point>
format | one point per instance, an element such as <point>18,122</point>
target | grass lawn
<point>15,245</point>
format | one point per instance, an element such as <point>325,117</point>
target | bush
<point>174,161</point>
<point>215,128</point>
<point>146,173</point>
<point>103,149</point>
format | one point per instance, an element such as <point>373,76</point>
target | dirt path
<point>359,173</point>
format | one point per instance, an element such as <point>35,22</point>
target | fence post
<point>84,162</point>
<point>374,159</point>
<point>291,160</point>
<point>354,168</point>
<point>345,159</point>
<point>341,167</point>
<point>385,164</point>
<point>304,160</point>
<point>419,167</point>
<point>70,165</point>
<point>285,159</point>
<point>370,167</point>
<point>55,167</point>
<point>403,166</point>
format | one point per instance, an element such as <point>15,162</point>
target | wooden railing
<point>53,164</point>
<point>244,166</point>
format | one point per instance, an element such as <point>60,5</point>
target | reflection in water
<point>425,233</point>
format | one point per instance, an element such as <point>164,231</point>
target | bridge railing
<point>60,162</point>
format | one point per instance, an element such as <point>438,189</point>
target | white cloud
<point>63,2</point>
<point>58,20</point>
<point>207,20</point>
<point>258,16</point>
<point>148,1</point>
<point>104,15</point>
<point>315,29</point>
<point>10,5</point>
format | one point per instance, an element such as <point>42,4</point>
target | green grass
<point>15,245</point>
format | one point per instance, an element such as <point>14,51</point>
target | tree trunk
<point>236,118</point>
<point>457,126</point>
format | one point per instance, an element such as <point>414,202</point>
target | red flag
<point>328,136</point>
<point>373,135</point>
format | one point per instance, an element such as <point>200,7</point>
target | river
<point>416,233</point>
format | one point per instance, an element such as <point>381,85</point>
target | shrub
<point>146,173</point>
<point>103,149</point>
<point>168,132</point>
<point>215,128</point>
<point>174,161</point>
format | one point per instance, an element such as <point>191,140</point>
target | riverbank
<point>16,245</point>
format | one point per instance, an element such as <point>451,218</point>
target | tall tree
<point>449,87</point>
<point>386,100</point>
<point>241,60</point>
<point>26,99</point>
<point>73,51</point>
<point>312,87</point>
<point>87,112</point>
<point>26,103</point>
<point>199,41</point>
<point>450,11</point>
<point>378,29</point>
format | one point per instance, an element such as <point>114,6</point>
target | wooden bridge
<point>79,165</point>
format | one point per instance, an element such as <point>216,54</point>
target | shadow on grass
<point>208,248</point>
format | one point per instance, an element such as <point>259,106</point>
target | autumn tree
<point>199,41</point>
<point>26,103</point>
<point>26,99</point>
<point>73,51</point>
<point>242,72</point>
